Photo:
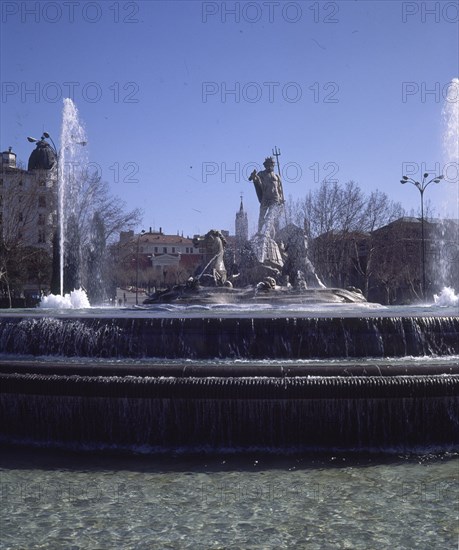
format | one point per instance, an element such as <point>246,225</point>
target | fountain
<point>276,370</point>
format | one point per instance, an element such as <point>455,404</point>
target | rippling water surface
<point>73,501</point>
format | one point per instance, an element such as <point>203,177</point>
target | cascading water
<point>160,381</point>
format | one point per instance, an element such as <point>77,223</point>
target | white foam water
<point>447,297</point>
<point>77,299</point>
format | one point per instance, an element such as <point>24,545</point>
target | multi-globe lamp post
<point>137,268</point>
<point>422,186</point>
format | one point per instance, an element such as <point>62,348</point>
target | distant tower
<point>242,227</point>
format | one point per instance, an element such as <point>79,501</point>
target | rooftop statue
<point>42,157</point>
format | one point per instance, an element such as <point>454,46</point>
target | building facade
<point>387,263</point>
<point>28,222</point>
<point>28,201</point>
<point>162,259</point>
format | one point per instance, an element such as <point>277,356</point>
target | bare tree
<point>26,210</point>
<point>97,218</point>
<point>340,220</point>
<point>94,196</point>
<point>396,264</point>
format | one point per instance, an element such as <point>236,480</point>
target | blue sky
<point>181,99</point>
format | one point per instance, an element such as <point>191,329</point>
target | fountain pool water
<point>61,500</point>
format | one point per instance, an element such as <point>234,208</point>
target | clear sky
<point>181,99</point>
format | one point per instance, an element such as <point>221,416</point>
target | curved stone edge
<point>240,388</point>
<point>216,369</point>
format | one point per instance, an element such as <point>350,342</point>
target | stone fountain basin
<point>279,295</point>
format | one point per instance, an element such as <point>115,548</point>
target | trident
<point>277,153</point>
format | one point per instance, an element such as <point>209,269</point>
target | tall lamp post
<point>60,192</point>
<point>137,269</point>
<point>422,186</point>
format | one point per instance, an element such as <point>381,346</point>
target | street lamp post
<point>137,269</point>
<point>57,154</point>
<point>422,186</point>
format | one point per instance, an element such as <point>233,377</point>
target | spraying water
<point>450,188</point>
<point>450,114</point>
<point>72,162</point>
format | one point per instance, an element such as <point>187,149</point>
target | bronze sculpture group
<point>275,257</point>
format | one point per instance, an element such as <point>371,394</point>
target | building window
<point>173,250</point>
<point>156,250</point>
<point>42,201</point>
<point>41,219</point>
<point>41,236</point>
<point>1,181</point>
<point>165,249</point>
